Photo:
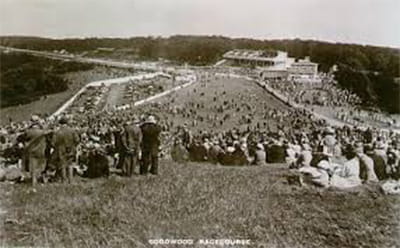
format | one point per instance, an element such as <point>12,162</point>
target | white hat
<point>35,118</point>
<point>260,146</point>
<point>329,130</point>
<point>379,145</point>
<point>51,119</point>
<point>90,145</point>
<point>151,119</point>
<point>135,119</point>
<point>230,149</point>
<point>95,138</point>
<point>306,147</point>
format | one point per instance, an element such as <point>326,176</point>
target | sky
<point>374,22</point>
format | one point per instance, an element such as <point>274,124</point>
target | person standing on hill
<point>118,146</point>
<point>150,145</point>
<point>34,131</point>
<point>65,141</point>
<point>131,140</point>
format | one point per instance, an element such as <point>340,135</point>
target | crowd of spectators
<point>325,93</point>
<point>330,156</point>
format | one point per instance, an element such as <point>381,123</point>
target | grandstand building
<point>274,64</point>
<point>303,68</point>
<point>256,58</point>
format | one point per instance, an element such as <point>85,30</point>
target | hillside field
<point>198,201</point>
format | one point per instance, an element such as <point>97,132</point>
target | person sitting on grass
<point>348,175</point>
<point>304,158</point>
<point>260,157</point>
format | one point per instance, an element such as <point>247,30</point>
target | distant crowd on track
<point>132,141</point>
<point>345,104</point>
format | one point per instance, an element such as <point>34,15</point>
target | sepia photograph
<point>200,123</point>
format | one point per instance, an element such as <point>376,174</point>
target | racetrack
<point>237,92</point>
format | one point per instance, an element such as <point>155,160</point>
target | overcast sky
<point>358,21</point>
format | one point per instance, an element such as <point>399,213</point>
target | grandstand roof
<point>256,55</point>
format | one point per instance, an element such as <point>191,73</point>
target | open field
<point>201,101</point>
<point>198,201</point>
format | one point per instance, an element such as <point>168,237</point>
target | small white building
<point>303,68</point>
<point>274,72</point>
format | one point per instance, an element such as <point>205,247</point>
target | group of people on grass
<point>325,93</point>
<point>56,149</point>
<point>340,157</point>
<point>94,143</point>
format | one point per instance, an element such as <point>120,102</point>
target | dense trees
<point>25,78</point>
<point>208,49</point>
<point>374,88</point>
<point>367,70</point>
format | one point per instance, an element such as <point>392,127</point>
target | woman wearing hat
<point>305,156</point>
<point>348,175</point>
<point>327,146</point>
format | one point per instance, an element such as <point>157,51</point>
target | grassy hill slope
<point>199,201</point>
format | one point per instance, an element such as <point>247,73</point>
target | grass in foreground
<point>198,201</point>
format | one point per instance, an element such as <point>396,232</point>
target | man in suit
<point>150,145</point>
<point>34,131</point>
<point>117,131</point>
<point>131,139</point>
<point>36,149</point>
<point>65,141</point>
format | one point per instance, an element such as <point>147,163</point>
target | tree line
<point>26,78</point>
<point>368,71</point>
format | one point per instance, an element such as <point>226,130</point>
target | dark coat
<point>276,154</point>
<point>65,141</point>
<point>97,165</point>
<point>151,136</point>
<point>118,141</point>
<point>131,138</point>
<point>379,166</point>
<point>179,153</point>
